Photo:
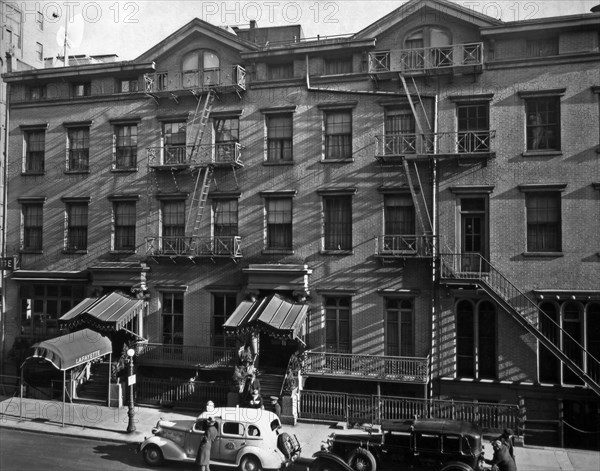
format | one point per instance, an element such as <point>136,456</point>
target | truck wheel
<point>250,463</point>
<point>362,459</point>
<point>152,455</point>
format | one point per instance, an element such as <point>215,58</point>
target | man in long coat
<point>203,458</point>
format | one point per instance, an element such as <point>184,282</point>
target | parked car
<point>326,461</point>
<point>424,444</point>
<point>249,439</point>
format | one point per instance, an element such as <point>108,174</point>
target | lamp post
<point>131,382</point>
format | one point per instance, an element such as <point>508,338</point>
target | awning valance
<point>107,313</point>
<point>274,314</point>
<point>73,349</point>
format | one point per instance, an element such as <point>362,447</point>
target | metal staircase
<point>478,271</point>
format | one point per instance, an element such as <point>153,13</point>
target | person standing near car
<point>501,461</point>
<point>203,456</point>
<point>507,439</point>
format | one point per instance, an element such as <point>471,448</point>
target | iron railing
<point>405,245</point>
<point>191,394</point>
<point>474,267</point>
<point>175,80</point>
<point>378,367</point>
<point>353,408</point>
<point>185,355</point>
<point>223,246</point>
<point>225,153</point>
<point>459,142</point>
<point>426,58</point>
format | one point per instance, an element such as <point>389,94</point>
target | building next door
<point>473,235</point>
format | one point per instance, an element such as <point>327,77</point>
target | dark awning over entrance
<point>273,314</point>
<point>107,313</point>
<point>73,349</point>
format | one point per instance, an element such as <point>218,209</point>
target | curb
<point>68,434</point>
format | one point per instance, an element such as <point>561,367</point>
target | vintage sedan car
<point>423,444</point>
<point>249,439</point>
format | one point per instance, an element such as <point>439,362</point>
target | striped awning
<point>73,349</point>
<point>107,313</point>
<point>274,314</point>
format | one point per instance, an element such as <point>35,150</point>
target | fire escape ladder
<point>200,118</point>
<point>526,312</point>
<point>199,198</point>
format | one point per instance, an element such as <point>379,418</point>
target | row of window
<point>543,219</point>
<point>543,133</point>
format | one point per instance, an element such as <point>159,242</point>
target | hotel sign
<point>87,357</point>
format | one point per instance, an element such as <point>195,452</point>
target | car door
<point>193,438</point>
<point>232,438</point>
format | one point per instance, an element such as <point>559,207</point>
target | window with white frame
<point>225,217</point>
<point>124,225</point>
<point>172,318</point>
<point>543,123</point>
<point>35,150</point>
<point>39,52</point>
<point>544,221</point>
<point>476,338</point>
<point>338,134</point>
<point>125,149</point>
<point>279,137</point>
<point>227,138</point>
<point>77,226</point>
<point>337,222</point>
<point>337,324</point>
<point>78,159</point>
<point>279,223</point>
<point>399,327</point>
<point>174,135</point>
<point>33,227</point>
<point>173,226</point>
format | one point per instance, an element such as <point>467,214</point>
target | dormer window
<point>431,46</point>
<point>338,65</point>
<point>128,86</point>
<point>200,68</point>
<point>82,89</point>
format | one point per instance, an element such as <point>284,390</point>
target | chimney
<point>252,24</point>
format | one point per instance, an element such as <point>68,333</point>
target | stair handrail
<point>484,276</point>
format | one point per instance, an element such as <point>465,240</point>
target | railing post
<point>521,418</point>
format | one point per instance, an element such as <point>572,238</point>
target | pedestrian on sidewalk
<point>507,440</point>
<point>210,434</point>
<point>501,461</point>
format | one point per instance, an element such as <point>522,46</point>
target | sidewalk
<point>110,424</point>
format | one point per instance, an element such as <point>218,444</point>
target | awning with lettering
<point>274,315</point>
<point>73,349</point>
<point>107,313</point>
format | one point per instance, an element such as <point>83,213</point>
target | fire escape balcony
<point>220,79</point>
<point>465,58</point>
<point>194,247</point>
<point>366,367</point>
<point>391,147</point>
<point>157,354</point>
<point>224,154</point>
<point>405,246</point>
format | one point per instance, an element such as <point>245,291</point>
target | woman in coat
<point>203,457</point>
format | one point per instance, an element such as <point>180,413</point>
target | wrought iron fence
<point>403,245</point>
<point>225,246</point>
<point>157,391</point>
<point>356,408</point>
<point>188,355</point>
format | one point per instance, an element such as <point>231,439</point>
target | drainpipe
<point>435,253</point>
<point>3,233</point>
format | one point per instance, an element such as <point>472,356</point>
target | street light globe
<point>130,352</point>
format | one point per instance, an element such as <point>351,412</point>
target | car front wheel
<point>250,463</point>
<point>362,460</point>
<point>152,455</point>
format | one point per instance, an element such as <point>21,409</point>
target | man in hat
<point>276,406</point>
<point>210,434</point>
<point>501,460</point>
<point>507,440</point>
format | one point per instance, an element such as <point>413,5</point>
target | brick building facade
<point>420,186</point>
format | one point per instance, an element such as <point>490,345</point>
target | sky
<point>129,28</point>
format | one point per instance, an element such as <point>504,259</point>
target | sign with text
<point>7,263</point>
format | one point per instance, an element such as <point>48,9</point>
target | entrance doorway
<point>473,234</point>
<point>274,353</point>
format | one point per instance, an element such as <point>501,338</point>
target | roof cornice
<point>544,24</point>
<point>87,70</point>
